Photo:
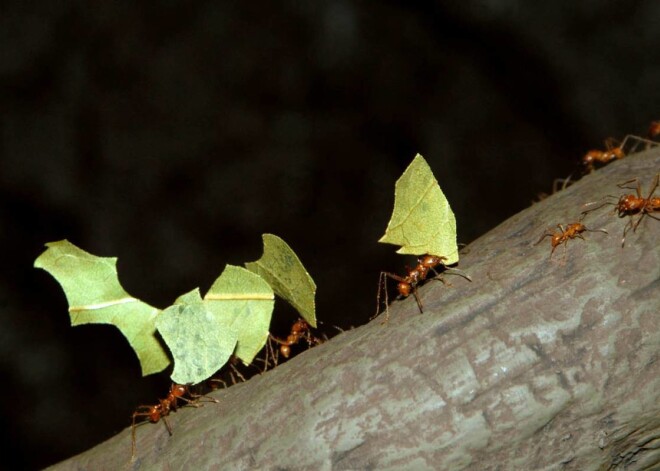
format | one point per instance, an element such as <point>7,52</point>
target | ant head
<point>178,390</point>
<point>299,326</point>
<point>590,157</point>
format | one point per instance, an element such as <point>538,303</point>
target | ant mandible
<point>299,330</point>
<point>163,409</point>
<point>572,231</point>
<point>602,156</point>
<point>408,284</point>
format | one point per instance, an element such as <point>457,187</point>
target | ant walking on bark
<point>163,408</point>
<point>572,231</point>
<point>408,284</point>
<point>634,205</point>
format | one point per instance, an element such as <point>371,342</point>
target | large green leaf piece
<point>422,221</point>
<point>244,301</point>
<point>95,296</point>
<point>200,341</point>
<point>285,273</point>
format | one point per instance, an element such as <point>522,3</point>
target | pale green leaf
<point>285,273</point>
<point>244,301</point>
<point>422,221</point>
<point>200,342</point>
<point>95,296</point>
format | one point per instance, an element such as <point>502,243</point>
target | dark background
<point>173,134</point>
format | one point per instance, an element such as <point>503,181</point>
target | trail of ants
<point>154,413</point>
<point>408,283</point>
<point>631,205</point>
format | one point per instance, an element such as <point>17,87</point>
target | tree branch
<point>537,363</point>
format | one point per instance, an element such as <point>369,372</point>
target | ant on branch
<point>572,231</point>
<point>408,284</point>
<point>299,330</point>
<point>612,152</point>
<point>163,409</point>
<point>630,205</point>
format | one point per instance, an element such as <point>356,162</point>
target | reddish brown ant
<point>163,409</point>
<point>572,231</point>
<point>654,129</point>
<point>612,152</point>
<point>408,284</point>
<point>299,330</point>
<point>631,205</point>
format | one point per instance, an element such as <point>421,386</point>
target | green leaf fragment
<point>200,342</point>
<point>285,273</point>
<point>422,221</point>
<point>244,301</point>
<point>95,296</point>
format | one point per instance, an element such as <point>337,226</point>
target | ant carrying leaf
<point>422,223</point>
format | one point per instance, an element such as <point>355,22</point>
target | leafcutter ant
<point>612,152</point>
<point>654,129</point>
<point>572,231</point>
<point>633,205</point>
<point>163,409</point>
<point>408,284</point>
<point>299,330</point>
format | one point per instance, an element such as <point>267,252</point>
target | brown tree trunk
<point>538,363</point>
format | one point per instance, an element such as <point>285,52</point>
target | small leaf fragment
<point>95,296</point>
<point>422,221</point>
<point>244,301</point>
<point>200,342</point>
<point>282,269</point>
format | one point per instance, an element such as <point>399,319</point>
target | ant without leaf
<point>632,205</point>
<point>299,330</point>
<point>572,231</point>
<point>163,409</point>
<point>654,129</point>
<point>408,284</point>
<point>612,152</point>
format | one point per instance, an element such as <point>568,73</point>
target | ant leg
<point>547,233</point>
<point>451,271</point>
<point>167,425</point>
<point>238,373</point>
<point>626,228</point>
<point>419,301</point>
<point>653,187</point>
<point>382,286</point>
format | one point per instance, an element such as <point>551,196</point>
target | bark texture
<point>538,363</point>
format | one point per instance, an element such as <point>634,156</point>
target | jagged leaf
<point>95,296</point>
<point>422,221</point>
<point>200,341</point>
<point>285,273</point>
<point>244,301</point>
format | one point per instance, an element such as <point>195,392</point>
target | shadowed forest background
<point>173,135</point>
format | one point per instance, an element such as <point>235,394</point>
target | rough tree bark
<point>536,364</point>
